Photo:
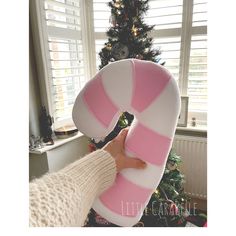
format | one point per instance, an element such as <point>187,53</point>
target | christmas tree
<point>168,205</point>
<point>128,38</point>
<point>128,35</point>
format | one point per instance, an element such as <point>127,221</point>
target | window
<point>181,33</point>
<point>74,31</point>
<point>65,58</point>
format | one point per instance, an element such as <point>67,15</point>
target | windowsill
<point>199,131</point>
<point>57,143</point>
<point>189,130</point>
<point>196,128</point>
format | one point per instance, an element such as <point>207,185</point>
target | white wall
<point>57,158</point>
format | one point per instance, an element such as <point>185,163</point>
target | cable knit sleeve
<point>64,198</point>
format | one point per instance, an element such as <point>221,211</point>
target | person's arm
<point>64,198</point>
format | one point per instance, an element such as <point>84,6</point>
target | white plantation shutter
<point>62,14</point>
<point>197,76</point>
<point>197,71</point>
<point>165,14</point>
<point>101,21</point>
<point>170,53</point>
<point>67,74</point>
<point>65,55</point>
<point>101,15</point>
<point>199,13</point>
<point>180,33</point>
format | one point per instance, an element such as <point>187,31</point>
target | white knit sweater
<point>64,198</point>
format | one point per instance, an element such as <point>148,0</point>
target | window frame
<point>40,38</point>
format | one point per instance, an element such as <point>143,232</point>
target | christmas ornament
<point>120,51</point>
<point>140,57</point>
<point>150,90</point>
<point>171,165</point>
<point>117,4</point>
<point>108,46</point>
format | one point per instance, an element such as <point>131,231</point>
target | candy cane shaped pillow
<point>149,92</point>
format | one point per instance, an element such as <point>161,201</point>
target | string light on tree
<point>117,4</point>
<point>138,56</point>
<point>108,46</point>
<point>134,30</point>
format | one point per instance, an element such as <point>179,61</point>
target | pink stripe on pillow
<point>98,101</point>
<point>148,145</point>
<point>125,198</point>
<point>149,81</point>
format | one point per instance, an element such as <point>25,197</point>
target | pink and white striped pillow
<point>149,92</point>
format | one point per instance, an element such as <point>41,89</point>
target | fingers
<point>134,163</point>
<point>122,135</point>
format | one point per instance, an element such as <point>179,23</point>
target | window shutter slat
<point>61,5</point>
<point>58,13</point>
<point>165,14</point>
